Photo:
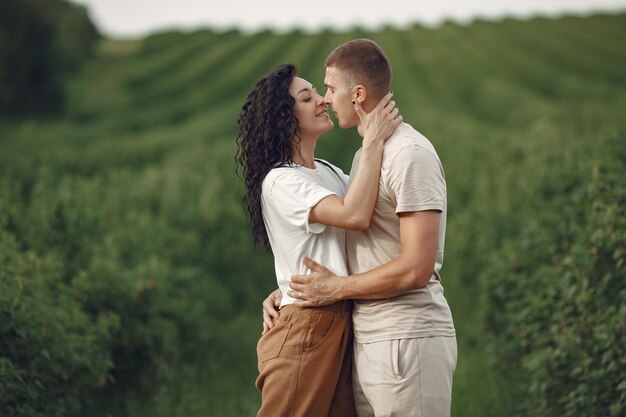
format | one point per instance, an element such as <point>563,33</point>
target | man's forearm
<point>411,270</point>
<point>388,280</point>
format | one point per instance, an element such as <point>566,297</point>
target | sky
<point>136,18</point>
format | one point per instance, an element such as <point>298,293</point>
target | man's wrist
<point>342,292</point>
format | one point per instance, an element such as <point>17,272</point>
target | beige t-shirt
<point>412,179</point>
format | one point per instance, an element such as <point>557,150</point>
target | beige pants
<point>305,363</point>
<point>405,377</point>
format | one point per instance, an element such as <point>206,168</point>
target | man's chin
<point>345,124</point>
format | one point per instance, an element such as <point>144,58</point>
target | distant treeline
<point>41,43</point>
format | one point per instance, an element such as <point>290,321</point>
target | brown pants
<point>305,363</point>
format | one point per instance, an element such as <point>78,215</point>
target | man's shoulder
<point>407,143</point>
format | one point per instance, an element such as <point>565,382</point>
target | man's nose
<point>327,98</point>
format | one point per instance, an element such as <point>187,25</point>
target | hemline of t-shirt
<point>397,336</point>
<point>316,228</point>
<point>410,209</point>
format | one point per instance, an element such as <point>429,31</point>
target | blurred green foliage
<point>42,42</point>
<point>558,294</point>
<point>128,282</point>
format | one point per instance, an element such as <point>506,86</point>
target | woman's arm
<point>270,309</point>
<point>355,210</point>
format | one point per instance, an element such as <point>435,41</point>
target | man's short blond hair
<point>362,61</point>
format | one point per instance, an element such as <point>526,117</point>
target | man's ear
<point>360,93</point>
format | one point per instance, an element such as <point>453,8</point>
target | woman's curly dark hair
<point>266,129</point>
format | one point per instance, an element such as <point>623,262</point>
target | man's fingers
<point>293,293</point>
<point>299,279</point>
<point>308,261</point>
<point>303,303</point>
<point>314,266</point>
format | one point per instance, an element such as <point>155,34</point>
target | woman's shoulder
<point>281,174</point>
<point>333,167</point>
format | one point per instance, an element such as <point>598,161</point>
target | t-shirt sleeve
<point>292,196</point>
<point>417,180</point>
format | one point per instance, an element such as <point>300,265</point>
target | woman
<point>298,206</point>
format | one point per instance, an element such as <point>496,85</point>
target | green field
<point>123,237</point>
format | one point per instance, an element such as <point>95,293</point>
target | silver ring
<point>300,294</point>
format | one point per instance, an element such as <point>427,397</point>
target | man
<point>405,344</point>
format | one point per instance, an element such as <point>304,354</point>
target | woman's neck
<point>305,156</point>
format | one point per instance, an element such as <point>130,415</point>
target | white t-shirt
<point>288,195</point>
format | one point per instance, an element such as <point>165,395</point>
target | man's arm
<point>419,233</point>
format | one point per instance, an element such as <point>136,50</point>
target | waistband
<point>344,306</point>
